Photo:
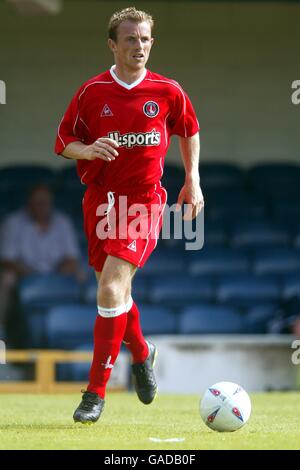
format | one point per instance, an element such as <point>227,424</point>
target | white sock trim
<point>129,304</point>
<point>111,312</point>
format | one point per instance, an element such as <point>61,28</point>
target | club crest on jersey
<point>151,109</point>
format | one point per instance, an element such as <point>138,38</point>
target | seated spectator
<point>296,327</point>
<point>35,239</point>
<point>287,319</point>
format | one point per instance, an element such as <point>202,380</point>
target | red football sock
<point>133,337</point>
<point>108,335</point>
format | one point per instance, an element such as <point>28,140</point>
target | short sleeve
<point>182,120</point>
<point>69,129</point>
<point>69,245</point>
<point>9,240</point>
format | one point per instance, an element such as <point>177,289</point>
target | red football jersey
<point>141,117</point>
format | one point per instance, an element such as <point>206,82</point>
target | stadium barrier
<point>186,364</point>
<point>45,371</point>
<point>191,363</point>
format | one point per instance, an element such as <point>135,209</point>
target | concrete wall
<point>256,362</point>
<point>236,61</point>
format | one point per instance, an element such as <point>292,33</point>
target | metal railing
<point>45,374</point>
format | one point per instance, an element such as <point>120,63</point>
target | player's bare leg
<point>114,289</point>
<point>115,282</point>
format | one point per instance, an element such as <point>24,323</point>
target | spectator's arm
<point>9,240</point>
<point>68,266</point>
<point>69,239</point>
<point>71,266</point>
<point>17,267</point>
<point>9,246</point>
<point>70,261</point>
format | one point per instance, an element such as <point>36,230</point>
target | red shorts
<point>125,225</point>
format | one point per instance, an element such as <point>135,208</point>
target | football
<point>225,406</point>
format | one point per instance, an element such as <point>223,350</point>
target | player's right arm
<point>103,148</point>
<point>72,134</point>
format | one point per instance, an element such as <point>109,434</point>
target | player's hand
<point>103,148</point>
<point>190,194</point>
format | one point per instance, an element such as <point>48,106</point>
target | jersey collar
<point>123,84</point>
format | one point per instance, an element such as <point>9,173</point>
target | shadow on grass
<point>43,427</point>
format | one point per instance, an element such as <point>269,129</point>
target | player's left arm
<point>191,192</point>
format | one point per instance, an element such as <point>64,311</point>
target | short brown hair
<point>131,14</point>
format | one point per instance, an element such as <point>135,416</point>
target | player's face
<point>133,45</point>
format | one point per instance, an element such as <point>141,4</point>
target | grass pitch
<point>45,422</point>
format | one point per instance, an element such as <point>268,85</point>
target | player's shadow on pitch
<point>41,427</point>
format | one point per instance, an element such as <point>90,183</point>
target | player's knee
<point>110,291</point>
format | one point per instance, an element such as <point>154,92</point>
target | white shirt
<point>22,240</point>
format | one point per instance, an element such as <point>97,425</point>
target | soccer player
<point>118,128</point>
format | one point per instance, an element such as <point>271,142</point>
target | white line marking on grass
<point>171,439</point>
